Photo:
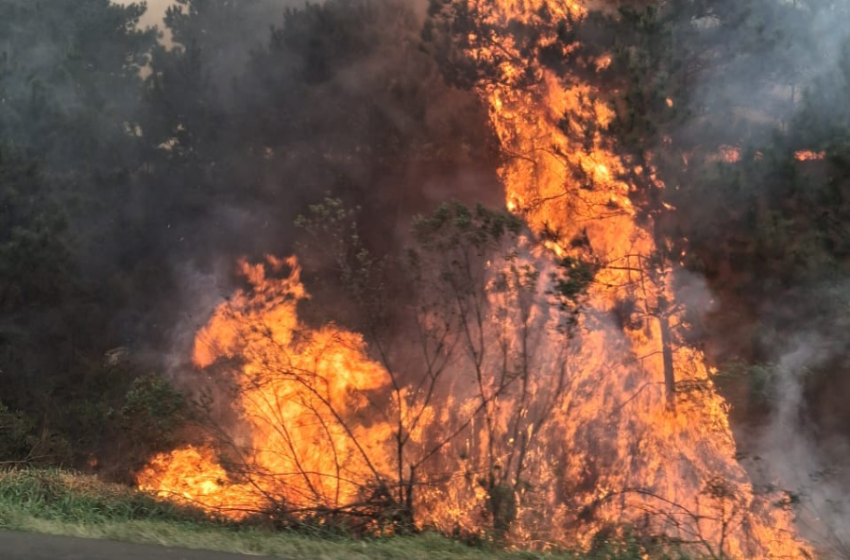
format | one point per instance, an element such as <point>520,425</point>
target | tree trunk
<point>667,354</point>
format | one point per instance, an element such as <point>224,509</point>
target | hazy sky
<point>156,10</point>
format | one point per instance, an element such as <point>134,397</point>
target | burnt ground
<point>26,546</point>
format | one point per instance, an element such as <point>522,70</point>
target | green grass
<point>60,503</point>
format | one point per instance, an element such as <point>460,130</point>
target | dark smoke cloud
<point>288,107</point>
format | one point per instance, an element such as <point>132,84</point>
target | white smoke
<point>792,459</point>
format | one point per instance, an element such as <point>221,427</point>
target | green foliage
<point>17,440</point>
<point>609,544</point>
<point>70,87</point>
<point>645,62</point>
<point>69,78</point>
<point>453,253</point>
<point>762,380</point>
<point>334,237</point>
<point>34,257</point>
<point>334,232</point>
<point>153,413</point>
<point>455,225</point>
<point>63,496</point>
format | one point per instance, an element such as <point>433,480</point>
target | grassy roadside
<point>58,503</point>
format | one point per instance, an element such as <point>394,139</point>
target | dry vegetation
<point>56,502</point>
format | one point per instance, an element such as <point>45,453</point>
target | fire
<point>618,426</point>
<point>729,154</point>
<point>292,382</point>
<point>808,155</point>
<point>193,476</point>
<point>632,451</point>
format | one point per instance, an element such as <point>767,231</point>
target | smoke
<point>752,64</point>
<point>775,71</point>
<point>171,161</point>
<point>789,454</point>
<point>266,106</point>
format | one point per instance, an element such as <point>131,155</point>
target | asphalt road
<point>25,546</point>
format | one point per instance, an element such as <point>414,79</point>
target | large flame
<point>672,468</point>
<point>620,426</point>
<point>297,393</point>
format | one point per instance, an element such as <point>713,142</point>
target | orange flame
<point>291,383</point>
<point>729,154</point>
<point>808,155</point>
<point>664,466</point>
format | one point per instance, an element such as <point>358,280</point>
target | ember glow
<point>728,154</point>
<point>808,155</point>
<point>620,425</point>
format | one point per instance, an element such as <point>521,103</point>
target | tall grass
<point>56,502</point>
<point>62,496</point>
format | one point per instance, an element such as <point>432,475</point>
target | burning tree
<point>587,196</point>
<point>506,405</point>
<point>435,415</point>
